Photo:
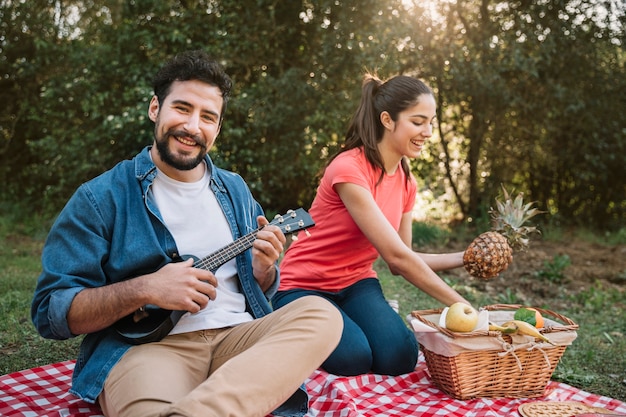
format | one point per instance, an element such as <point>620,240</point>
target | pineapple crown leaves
<point>509,219</point>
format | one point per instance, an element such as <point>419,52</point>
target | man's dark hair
<point>188,66</point>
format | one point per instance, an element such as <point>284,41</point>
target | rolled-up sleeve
<point>59,305</point>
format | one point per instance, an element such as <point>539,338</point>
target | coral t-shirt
<point>337,254</point>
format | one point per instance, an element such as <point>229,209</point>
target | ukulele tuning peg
<point>307,232</point>
<point>294,238</point>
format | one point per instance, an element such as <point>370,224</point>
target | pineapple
<point>491,252</point>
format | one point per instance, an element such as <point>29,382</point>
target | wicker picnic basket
<point>489,364</point>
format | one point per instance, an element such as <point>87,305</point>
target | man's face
<point>187,123</point>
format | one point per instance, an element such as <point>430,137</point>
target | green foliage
<point>530,94</point>
<point>617,237</point>
<point>601,301</point>
<point>428,234</point>
<point>516,86</point>
<point>20,345</point>
<point>553,271</point>
<point>509,296</point>
<point>596,356</point>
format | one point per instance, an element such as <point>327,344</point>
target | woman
<point>363,210</point>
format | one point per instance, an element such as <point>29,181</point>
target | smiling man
<point>115,255</point>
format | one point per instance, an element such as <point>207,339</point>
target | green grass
<point>20,345</point>
<point>596,362</point>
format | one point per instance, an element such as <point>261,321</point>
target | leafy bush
<point>553,270</point>
<point>426,234</point>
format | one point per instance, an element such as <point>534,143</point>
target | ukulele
<point>151,323</point>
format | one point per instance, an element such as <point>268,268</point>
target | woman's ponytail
<point>366,129</point>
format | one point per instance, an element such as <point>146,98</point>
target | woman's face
<point>413,127</point>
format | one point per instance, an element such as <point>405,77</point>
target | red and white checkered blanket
<point>43,392</point>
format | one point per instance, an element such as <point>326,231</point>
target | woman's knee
<point>397,359</point>
<point>325,317</point>
<point>353,354</point>
<point>349,360</point>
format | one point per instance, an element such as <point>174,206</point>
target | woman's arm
<point>394,247</point>
<point>436,261</point>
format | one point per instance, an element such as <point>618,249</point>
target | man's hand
<point>176,286</point>
<point>180,286</point>
<point>269,244</point>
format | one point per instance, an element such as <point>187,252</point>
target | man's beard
<point>182,164</point>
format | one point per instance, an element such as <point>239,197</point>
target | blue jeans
<point>375,338</point>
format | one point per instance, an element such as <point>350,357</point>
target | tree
<point>295,67</point>
<point>529,96</point>
<point>530,93</point>
<point>300,66</point>
<point>29,37</point>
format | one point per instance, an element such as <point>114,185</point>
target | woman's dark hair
<point>393,96</point>
<point>192,65</point>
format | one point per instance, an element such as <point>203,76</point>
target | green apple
<point>461,317</point>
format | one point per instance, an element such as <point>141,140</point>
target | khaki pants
<point>246,370</point>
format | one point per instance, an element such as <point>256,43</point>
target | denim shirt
<point>111,230</point>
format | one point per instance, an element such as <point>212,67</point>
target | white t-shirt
<point>193,215</point>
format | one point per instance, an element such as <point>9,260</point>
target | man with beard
<point>117,248</point>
